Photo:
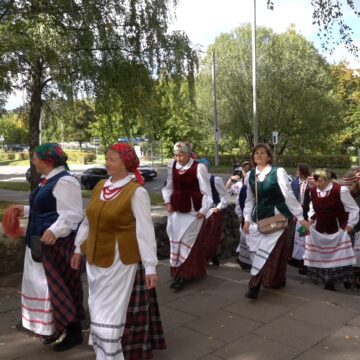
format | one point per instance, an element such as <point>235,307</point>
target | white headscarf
<point>182,147</point>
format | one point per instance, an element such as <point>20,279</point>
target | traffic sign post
<point>96,144</point>
<point>2,140</point>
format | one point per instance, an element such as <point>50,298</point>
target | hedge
<point>315,161</point>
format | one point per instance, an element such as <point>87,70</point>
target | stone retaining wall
<point>12,251</point>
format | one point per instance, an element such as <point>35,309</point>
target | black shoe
<point>253,292</point>
<point>73,337</point>
<point>215,260</point>
<point>244,266</point>
<point>347,284</point>
<point>178,284</point>
<point>330,287</point>
<point>49,340</point>
<point>302,271</point>
<point>283,284</point>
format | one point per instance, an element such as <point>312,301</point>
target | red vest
<point>329,210</point>
<point>186,189</point>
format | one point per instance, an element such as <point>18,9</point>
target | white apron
<point>328,250</point>
<point>37,315</point>
<point>182,230</point>
<point>243,248</point>
<point>109,295</point>
<point>260,247</point>
<point>299,244</point>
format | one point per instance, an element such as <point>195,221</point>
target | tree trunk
<point>35,115</point>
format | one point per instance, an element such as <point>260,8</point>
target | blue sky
<point>204,20</point>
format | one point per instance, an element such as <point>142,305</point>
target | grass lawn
<point>15,185</point>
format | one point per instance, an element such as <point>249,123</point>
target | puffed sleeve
<point>205,188</point>
<point>290,199</point>
<point>67,193</point>
<point>167,190</point>
<point>145,233</point>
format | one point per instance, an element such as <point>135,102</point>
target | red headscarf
<point>129,158</point>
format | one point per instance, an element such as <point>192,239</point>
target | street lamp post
<point>216,129</point>
<point>255,114</point>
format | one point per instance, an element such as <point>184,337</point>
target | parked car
<point>93,175</point>
<point>147,172</point>
<point>13,148</point>
<point>75,175</point>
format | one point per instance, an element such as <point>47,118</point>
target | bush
<point>315,161</point>
<point>80,156</point>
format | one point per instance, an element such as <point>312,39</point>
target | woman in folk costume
<point>268,193</point>
<point>352,181</point>
<point>214,217</point>
<point>118,239</point>
<point>301,189</point>
<point>244,258</point>
<point>329,255</point>
<point>51,292</point>
<point>187,197</point>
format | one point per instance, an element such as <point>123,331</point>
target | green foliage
<point>295,91</point>
<point>13,128</point>
<point>315,161</point>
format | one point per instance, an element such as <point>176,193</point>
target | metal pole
<point>216,130</point>
<point>255,115</point>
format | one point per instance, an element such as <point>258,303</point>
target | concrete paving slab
<point>227,290</point>
<point>187,344</point>
<point>323,314</point>
<point>259,310</point>
<point>255,347</point>
<point>210,357</point>
<point>293,333</point>
<point>347,299</point>
<point>9,300</point>
<point>199,304</point>
<point>173,319</point>
<point>223,326</point>
<point>344,344</point>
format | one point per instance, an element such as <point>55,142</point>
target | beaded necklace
<point>110,194</point>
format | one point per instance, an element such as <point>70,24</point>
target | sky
<point>204,20</point>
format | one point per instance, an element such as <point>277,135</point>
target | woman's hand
<point>215,210</point>
<point>200,215</point>
<point>48,238</point>
<point>305,224</point>
<point>348,229</point>
<point>151,281</point>
<point>19,209</point>
<point>168,207</point>
<point>246,227</point>
<point>75,261</point>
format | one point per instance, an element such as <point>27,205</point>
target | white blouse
<point>67,193</point>
<point>223,194</point>
<point>283,181</point>
<point>145,233</point>
<point>204,184</point>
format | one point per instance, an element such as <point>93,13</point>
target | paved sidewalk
<point>211,319</point>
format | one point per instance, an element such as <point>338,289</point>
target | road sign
<point>275,137</point>
<point>96,141</point>
<point>2,137</point>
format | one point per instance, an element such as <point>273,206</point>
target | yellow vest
<point>111,221</point>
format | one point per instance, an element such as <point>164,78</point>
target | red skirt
<point>213,227</point>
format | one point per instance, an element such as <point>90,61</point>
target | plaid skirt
<point>195,264</point>
<point>143,330</point>
<point>212,234</point>
<point>65,286</point>
<point>273,273</point>
<point>331,275</point>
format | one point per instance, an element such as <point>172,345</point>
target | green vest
<point>269,196</point>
